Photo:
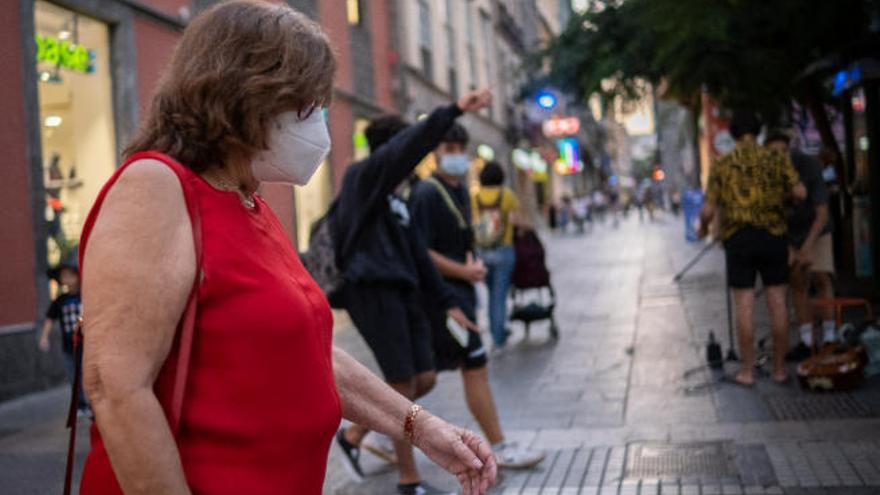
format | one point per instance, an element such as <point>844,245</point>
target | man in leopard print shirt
<point>748,192</point>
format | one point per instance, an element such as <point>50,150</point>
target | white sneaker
<point>380,446</point>
<point>511,456</point>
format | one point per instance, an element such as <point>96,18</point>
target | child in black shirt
<point>66,309</point>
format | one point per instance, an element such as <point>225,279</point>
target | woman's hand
<point>459,451</point>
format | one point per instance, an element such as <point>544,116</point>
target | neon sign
<point>65,54</point>
<point>569,161</point>
<point>561,126</point>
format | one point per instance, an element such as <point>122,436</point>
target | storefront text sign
<point>64,54</point>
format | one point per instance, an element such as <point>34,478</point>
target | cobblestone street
<point>609,402</point>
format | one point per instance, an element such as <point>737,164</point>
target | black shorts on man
<point>394,325</point>
<point>448,352</point>
<point>751,251</point>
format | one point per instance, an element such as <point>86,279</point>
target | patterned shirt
<point>749,186</point>
<point>66,310</point>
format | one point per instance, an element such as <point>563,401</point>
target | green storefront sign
<point>64,54</point>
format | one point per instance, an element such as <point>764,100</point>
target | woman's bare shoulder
<point>143,214</point>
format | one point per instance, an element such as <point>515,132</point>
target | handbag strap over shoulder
<point>187,326</point>
<point>450,203</point>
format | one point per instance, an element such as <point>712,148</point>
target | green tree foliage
<point>746,53</point>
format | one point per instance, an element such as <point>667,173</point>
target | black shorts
<point>751,251</point>
<point>448,353</point>
<point>393,323</point>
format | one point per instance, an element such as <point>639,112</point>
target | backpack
<point>320,259</point>
<point>490,227</point>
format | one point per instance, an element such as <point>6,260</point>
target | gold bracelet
<point>409,426</point>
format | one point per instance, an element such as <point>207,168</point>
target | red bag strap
<point>187,320</point>
<point>187,330</point>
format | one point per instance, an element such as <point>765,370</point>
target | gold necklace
<point>246,199</point>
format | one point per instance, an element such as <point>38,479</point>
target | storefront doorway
<point>77,135</point>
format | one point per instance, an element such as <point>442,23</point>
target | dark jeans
<point>70,369</point>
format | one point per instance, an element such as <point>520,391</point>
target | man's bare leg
<point>800,295</point>
<point>779,323</point>
<point>481,404</point>
<point>744,303</point>
<point>825,290</point>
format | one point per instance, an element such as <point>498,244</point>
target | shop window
<point>425,40</point>
<point>76,120</point>
<point>861,215</point>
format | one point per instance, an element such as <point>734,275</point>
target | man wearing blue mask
<point>441,211</point>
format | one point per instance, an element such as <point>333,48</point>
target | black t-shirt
<point>66,309</point>
<point>441,231</point>
<point>801,217</point>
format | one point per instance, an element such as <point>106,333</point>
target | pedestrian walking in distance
<point>66,310</point>
<point>264,388</point>
<point>749,188</point>
<point>494,207</point>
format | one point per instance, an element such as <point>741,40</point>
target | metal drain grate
<point>807,407</point>
<point>685,460</point>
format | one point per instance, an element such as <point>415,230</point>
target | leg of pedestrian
<point>498,281</point>
<point>779,323</point>
<point>825,290</point>
<point>800,286</point>
<point>481,404</point>
<point>744,302</point>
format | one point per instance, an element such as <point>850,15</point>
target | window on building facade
<point>488,53</point>
<point>353,10</point>
<point>77,132</point>
<point>451,55</point>
<point>469,43</point>
<point>425,44</point>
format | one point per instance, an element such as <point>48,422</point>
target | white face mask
<point>296,149</point>
<point>455,164</point>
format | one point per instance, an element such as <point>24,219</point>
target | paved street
<point>608,402</point>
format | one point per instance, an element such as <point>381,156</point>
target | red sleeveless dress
<point>261,406</point>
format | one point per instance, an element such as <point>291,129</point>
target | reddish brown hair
<point>239,64</point>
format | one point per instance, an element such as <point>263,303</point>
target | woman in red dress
<point>264,388</point>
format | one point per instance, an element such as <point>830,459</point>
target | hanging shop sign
<point>486,152</point>
<point>569,161</point>
<point>561,126</point>
<point>63,53</point>
<point>530,162</point>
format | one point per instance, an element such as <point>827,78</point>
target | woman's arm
<point>369,402</point>
<point>139,267</point>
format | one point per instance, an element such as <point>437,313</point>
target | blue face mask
<point>456,164</point>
